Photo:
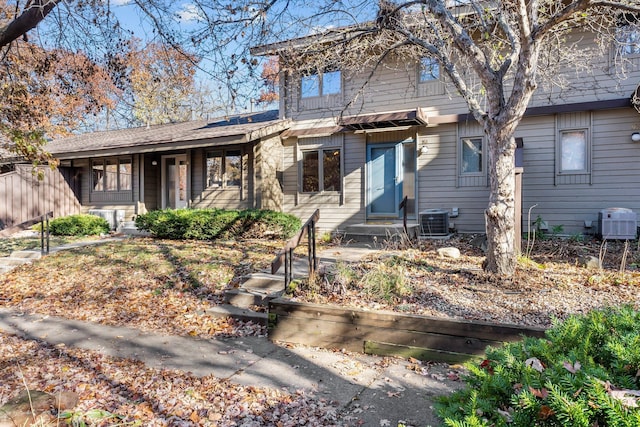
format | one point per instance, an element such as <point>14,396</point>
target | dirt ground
<point>556,277</point>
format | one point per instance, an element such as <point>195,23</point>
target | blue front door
<point>382,182</point>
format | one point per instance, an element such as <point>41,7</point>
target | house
<point>409,135</point>
<point>229,162</point>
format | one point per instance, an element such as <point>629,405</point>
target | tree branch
<point>36,11</point>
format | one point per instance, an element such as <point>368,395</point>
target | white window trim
<point>626,30</point>
<point>483,162</point>
<point>587,169</point>
<point>320,151</point>
<point>320,83</point>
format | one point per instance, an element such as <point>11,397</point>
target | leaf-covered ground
<point>552,282</point>
<point>153,285</point>
<point>118,392</point>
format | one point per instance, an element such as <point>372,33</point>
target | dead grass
<point>149,284</point>
<point>551,283</point>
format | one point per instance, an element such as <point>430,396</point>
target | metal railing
<point>286,255</point>
<point>403,208</point>
<point>45,224</point>
<point>44,230</point>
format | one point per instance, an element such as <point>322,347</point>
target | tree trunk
<point>500,213</point>
<point>26,21</point>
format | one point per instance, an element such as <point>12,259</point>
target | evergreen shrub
<point>585,372</point>
<point>210,224</point>
<point>78,225</point>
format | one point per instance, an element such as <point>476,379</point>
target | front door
<point>382,182</point>
<point>175,182</point>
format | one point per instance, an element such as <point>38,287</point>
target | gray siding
<point>439,182</point>
<point>615,175</point>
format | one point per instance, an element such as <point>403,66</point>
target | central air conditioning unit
<point>617,224</point>
<point>434,222</point>
<point>113,217</point>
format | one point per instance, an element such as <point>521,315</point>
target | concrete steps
<point>378,232</point>
<point>249,302</point>
<point>18,258</point>
<point>129,228</point>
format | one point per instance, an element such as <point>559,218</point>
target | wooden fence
<point>23,196</point>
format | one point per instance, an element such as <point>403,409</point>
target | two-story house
<point>408,134</point>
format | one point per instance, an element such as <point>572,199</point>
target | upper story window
<point>321,84</point>
<point>321,170</point>
<point>111,174</point>
<point>574,151</point>
<point>429,70</point>
<point>472,158</point>
<point>628,39</point>
<point>224,169</point>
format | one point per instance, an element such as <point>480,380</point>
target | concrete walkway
<point>371,391</point>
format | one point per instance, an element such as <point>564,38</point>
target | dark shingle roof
<point>228,130</point>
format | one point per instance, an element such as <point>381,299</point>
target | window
<point>327,83</point>
<point>471,162</point>
<point>321,171</point>
<point>628,38</point>
<point>111,174</point>
<point>429,70</point>
<point>573,151</point>
<point>224,167</point>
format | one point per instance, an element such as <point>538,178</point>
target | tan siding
<point>336,211</point>
<point>394,86</point>
<point>437,175</point>
<point>268,155</point>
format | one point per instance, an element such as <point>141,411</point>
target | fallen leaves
<point>551,284</point>
<point>148,284</point>
<point>129,392</point>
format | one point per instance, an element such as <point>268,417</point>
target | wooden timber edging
<point>387,333</point>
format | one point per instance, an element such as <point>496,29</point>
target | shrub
<point>78,225</point>
<point>585,372</point>
<point>209,224</point>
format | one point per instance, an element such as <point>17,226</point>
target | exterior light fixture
<point>154,163</point>
<point>635,137</point>
<point>424,149</point>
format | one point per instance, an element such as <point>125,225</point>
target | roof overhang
<point>312,132</point>
<point>153,148</point>
<point>393,120</point>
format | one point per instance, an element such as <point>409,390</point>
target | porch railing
<point>44,230</point>
<point>286,255</point>
<point>403,208</point>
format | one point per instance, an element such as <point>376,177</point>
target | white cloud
<point>189,13</point>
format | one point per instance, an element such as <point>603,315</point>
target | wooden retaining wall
<point>387,333</point>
